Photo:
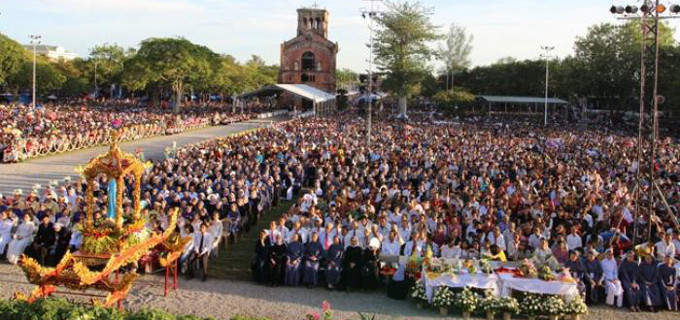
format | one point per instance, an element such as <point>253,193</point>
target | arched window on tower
<point>308,61</point>
<point>318,24</point>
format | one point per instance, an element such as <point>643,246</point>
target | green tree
<point>12,57</point>
<point>402,47</point>
<point>346,78</point>
<point>109,60</point>
<point>48,78</point>
<point>455,52</point>
<point>167,62</point>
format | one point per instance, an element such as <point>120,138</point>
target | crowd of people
<point>463,190</point>
<point>54,128</point>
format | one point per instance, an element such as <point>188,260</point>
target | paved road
<point>42,170</point>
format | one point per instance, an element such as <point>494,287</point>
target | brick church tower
<point>310,57</point>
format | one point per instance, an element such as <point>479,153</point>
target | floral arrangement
<point>325,315</point>
<point>418,292</point>
<point>565,276</point>
<point>531,305</point>
<point>508,304</point>
<point>528,269</point>
<point>485,266</point>
<point>435,265</point>
<point>489,304</point>
<point>576,306</point>
<point>443,298</point>
<point>545,273</point>
<point>468,301</point>
<point>553,305</point>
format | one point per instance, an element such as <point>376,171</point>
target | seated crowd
<point>469,191</point>
<point>454,190</point>
<point>29,132</point>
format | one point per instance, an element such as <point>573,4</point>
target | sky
<point>501,28</point>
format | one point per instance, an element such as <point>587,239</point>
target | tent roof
<point>520,100</point>
<point>301,90</point>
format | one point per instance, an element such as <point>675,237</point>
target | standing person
<point>334,265</point>
<point>352,265</point>
<point>261,256</point>
<point>294,256</point>
<point>668,279</point>
<point>277,261</point>
<point>6,225</point>
<point>22,238</point>
<point>312,258</point>
<point>628,274</point>
<point>593,277</point>
<point>202,246</point>
<point>648,278</point>
<point>611,280</point>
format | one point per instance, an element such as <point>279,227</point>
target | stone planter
<point>531,317</point>
<point>507,315</point>
<point>575,317</point>
<point>466,315</point>
<point>553,317</point>
<point>444,311</point>
<point>490,315</point>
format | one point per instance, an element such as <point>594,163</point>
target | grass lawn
<point>234,262</point>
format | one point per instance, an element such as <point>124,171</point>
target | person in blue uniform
<point>649,280</point>
<point>577,270</point>
<point>668,280</point>
<point>294,257</point>
<point>628,274</point>
<point>312,260</point>
<point>593,277</point>
<point>334,263</point>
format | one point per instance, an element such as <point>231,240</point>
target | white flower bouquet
<point>418,292</point>
<point>468,301</point>
<point>576,306</point>
<point>443,298</point>
<point>489,304</point>
<point>485,266</point>
<point>553,305</point>
<point>508,304</point>
<point>532,305</point>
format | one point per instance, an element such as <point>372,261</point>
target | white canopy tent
<point>322,101</point>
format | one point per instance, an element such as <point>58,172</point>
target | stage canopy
<point>301,90</point>
<point>520,100</point>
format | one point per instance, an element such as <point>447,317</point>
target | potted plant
<point>418,294</point>
<point>531,305</point>
<point>576,307</point>
<point>508,306</point>
<point>443,299</point>
<point>489,305</point>
<point>553,306</point>
<point>467,302</point>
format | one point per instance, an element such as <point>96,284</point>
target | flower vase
<point>507,315</point>
<point>443,311</point>
<point>575,317</point>
<point>489,315</point>
<point>466,315</point>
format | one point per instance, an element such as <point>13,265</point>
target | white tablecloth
<point>509,283</point>
<point>478,280</point>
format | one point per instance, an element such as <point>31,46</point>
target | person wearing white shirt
<point>6,225</point>
<point>574,241</point>
<point>390,246</point>
<point>451,250</point>
<point>413,246</point>
<point>665,247</point>
<point>216,233</point>
<point>497,238</point>
<point>22,238</point>
<point>613,286</point>
<point>201,251</point>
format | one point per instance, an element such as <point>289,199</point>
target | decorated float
<point>112,246</point>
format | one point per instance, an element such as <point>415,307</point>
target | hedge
<point>61,309</point>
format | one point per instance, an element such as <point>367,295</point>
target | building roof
<point>300,90</point>
<point>520,100</point>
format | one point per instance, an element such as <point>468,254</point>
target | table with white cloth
<point>477,280</point>
<point>508,283</point>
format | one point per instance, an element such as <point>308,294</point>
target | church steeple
<point>312,20</point>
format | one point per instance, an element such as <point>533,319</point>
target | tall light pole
<point>96,88</point>
<point>547,56</point>
<point>35,40</point>
<point>649,15</point>
<point>371,15</point>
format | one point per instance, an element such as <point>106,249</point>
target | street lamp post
<point>547,57</point>
<point>371,14</point>
<point>35,40</point>
<point>96,88</point>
